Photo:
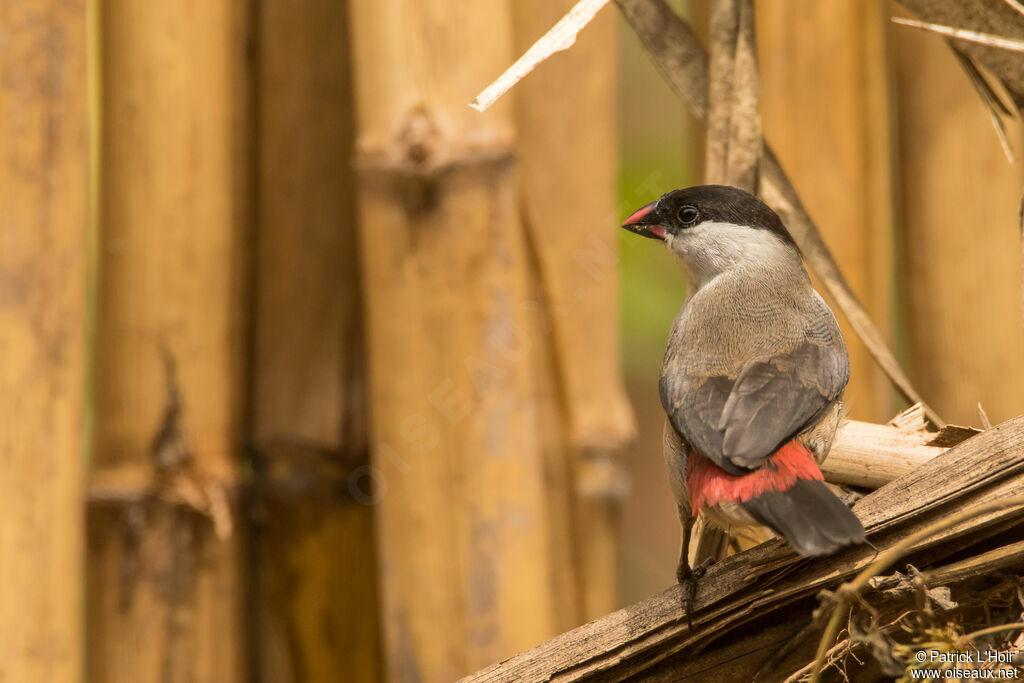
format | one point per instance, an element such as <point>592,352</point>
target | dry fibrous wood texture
<point>567,168</point>
<point>961,241</point>
<point>752,606</point>
<point>311,539</point>
<point>165,591</point>
<point>680,58</point>
<point>826,107</point>
<point>43,249</point>
<point>457,458</point>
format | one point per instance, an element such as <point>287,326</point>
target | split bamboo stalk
<point>826,109</point>
<point>961,248</point>
<point>43,251</point>
<point>568,166</point>
<point>312,543</point>
<point>461,518</point>
<point>165,602</point>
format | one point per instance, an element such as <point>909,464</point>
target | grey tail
<point>809,516</point>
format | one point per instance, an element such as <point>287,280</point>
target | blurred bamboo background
<point>310,372</point>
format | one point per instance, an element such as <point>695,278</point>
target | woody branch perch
<point>760,599</point>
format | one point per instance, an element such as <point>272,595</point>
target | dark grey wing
<point>694,406</point>
<point>740,422</point>
<point>775,399</point>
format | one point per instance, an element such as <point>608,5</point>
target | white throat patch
<point>709,249</point>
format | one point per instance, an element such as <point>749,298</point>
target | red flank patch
<point>709,484</point>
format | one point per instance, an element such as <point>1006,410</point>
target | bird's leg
<point>686,575</point>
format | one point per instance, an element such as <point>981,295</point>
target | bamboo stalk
<point>313,544</point>
<point>43,318</point>
<point>462,526</point>
<point>826,106</point>
<point>164,585</point>
<point>960,247</point>
<point>568,167</point>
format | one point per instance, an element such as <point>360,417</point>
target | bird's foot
<point>687,577</point>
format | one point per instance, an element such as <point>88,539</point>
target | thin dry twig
<point>964,34</point>
<point>983,417</point>
<point>852,588</point>
<point>562,36</point>
<point>994,629</point>
<point>1015,5</point>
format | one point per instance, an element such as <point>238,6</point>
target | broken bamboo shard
<point>317,592</point>
<point>871,455</point>
<point>562,36</point>
<point>462,529</point>
<point>842,122</point>
<point>43,248</point>
<point>164,592</point>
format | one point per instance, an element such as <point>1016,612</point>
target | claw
<point>688,577</point>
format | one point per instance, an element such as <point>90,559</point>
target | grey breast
<point>750,363</point>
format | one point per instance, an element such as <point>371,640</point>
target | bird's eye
<point>688,215</point>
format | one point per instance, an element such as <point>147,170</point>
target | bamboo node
<point>418,136</point>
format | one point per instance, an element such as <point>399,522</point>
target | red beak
<point>646,222</point>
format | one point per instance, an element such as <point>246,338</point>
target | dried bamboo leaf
<point>987,91</point>
<point>680,58</point>
<point>984,17</point>
<point>993,104</point>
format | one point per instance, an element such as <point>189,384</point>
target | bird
<point>752,379</point>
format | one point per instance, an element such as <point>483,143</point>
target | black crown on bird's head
<point>687,208</point>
